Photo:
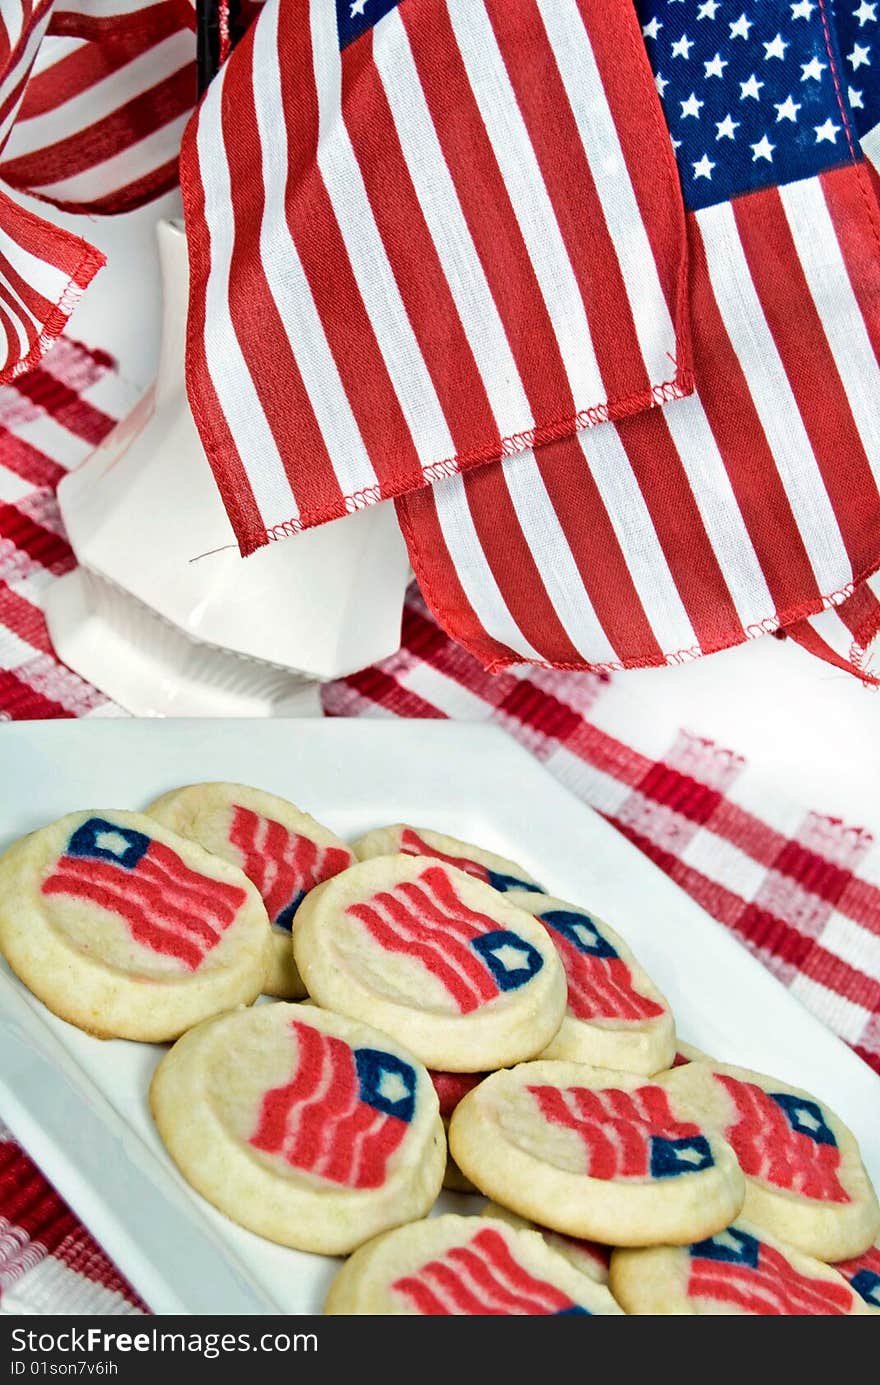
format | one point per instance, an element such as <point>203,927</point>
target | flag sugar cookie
<point>310,1129</point>
<point>740,1270</point>
<point>589,1257</point>
<point>284,851</point>
<point>438,959</point>
<point>454,1266</point>
<point>497,871</point>
<point>605,1156</point>
<point>805,1181</point>
<point>616,1017</point>
<point>863,1273</point>
<point>128,930</point>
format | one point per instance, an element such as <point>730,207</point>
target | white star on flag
<point>703,167</point>
<point>763,149</point>
<point>692,106</point>
<point>828,131</point>
<point>855,99</point>
<point>661,83</point>
<point>708,10</point>
<point>787,109</point>
<point>511,958</point>
<point>775,48</point>
<point>585,934</point>
<point>357,8</point>
<point>715,67</point>
<point>750,88</point>
<point>865,13</point>
<point>740,27</point>
<point>812,69</point>
<point>652,30</point>
<point>803,9</point>
<point>682,49</point>
<point>113,842</point>
<point>860,56</point>
<point>391,1085</point>
<point>807,1118</point>
<point>726,127</point>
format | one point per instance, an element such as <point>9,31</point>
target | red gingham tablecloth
<point>799,888</point>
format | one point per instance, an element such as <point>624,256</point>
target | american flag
<point>600,984</point>
<point>863,1274</point>
<point>94,95</point>
<point>784,1140</point>
<point>491,192</point>
<point>283,865</point>
<point>165,906</point>
<point>411,844</point>
<point>626,1134</point>
<point>344,1112</point>
<point>738,1270</point>
<point>482,1279</point>
<point>466,951</point>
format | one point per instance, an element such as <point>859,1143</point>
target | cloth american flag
<point>797,886</point>
<point>94,95</point>
<point>627,405</point>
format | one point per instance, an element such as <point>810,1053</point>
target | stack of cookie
<point>437,1018</point>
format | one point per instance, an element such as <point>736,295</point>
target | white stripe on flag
<point>583,85</point>
<point>529,198</point>
<point>642,551</point>
<point>369,262</point>
<point>287,279</point>
<point>554,559</point>
<point>19,70</point>
<point>772,395</point>
<point>829,283</point>
<point>472,567</point>
<point>229,370</point>
<point>438,198</point>
<point>719,509</point>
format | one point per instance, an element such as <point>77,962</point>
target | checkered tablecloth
<point>799,888</point>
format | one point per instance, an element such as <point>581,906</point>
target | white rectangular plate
<point>79,1104</point>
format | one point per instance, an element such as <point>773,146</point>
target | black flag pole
<point>210,47</point>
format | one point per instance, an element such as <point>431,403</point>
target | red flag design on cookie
<point>466,951</point>
<point>863,1273</point>
<point>482,1279</point>
<point>784,1140</point>
<point>737,1269</point>
<point>411,844</point>
<point>600,984</point>
<point>626,1134</point>
<point>167,907</point>
<point>283,865</point>
<point>343,1113</point>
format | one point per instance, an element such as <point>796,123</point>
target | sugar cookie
<point>805,1181</point>
<point>616,1017</point>
<point>308,1128</point>
<point>589,1257</point>
<point>485,866</point>
<point>433,957</point>
<point>284,851</point>
<point>607,1156</point>
<point>863,1273</point>
<point>739,1270</point>
<point>128,930</point>
<point>460,1266</point>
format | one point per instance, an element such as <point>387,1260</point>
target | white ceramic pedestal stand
<point>164,615</point>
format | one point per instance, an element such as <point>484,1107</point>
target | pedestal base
<point>153,669</point>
